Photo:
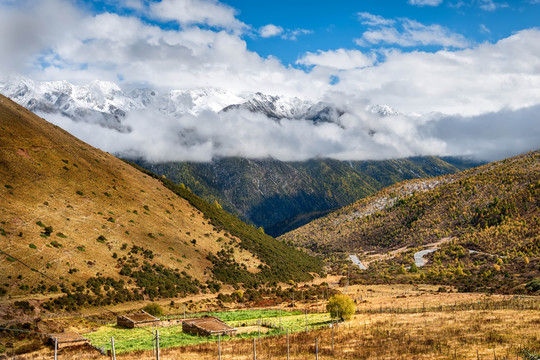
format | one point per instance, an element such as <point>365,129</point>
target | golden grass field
<point>436,326</point>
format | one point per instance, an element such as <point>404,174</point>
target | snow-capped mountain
<point>106,104</point>
<point>277,108</point>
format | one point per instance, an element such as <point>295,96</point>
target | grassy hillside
<point>79,226</point>
<point>492,209</point>
<point>280,196</point>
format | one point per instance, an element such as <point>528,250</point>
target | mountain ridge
<point>487,215</point>
<point>276,195</point>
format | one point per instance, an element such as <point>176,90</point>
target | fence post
<point>157,344</point>
<point>55,348</point>
<point>219,346</point>
<point>113,350</point>
<point>316,348</point>
<point>259,326</point>
<point>306,319</point>
<point>153,341</point>
<point>254,350</point>
<point>287,344</point>
<point>332,335</point>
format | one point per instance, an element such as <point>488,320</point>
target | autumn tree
<point>341,307</point>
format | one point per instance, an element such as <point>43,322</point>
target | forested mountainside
<point>280,196</point>
<point>489,214</point>
<point>86,228</point>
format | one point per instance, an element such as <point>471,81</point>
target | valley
<point>107,237</point>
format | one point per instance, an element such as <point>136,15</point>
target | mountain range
<point>276,195</point>
<point>106,104</point>
<point>280,196</point>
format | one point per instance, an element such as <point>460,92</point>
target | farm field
<point>141,338</point>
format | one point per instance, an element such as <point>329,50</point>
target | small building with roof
<point>137,320</point>
<point>68,339</point>
<point>206,326</point>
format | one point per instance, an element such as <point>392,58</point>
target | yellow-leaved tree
<point>341,307</point>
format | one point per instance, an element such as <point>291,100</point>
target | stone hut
<point>206,326</point>
<point>68,339</point>
<point>137,320</point>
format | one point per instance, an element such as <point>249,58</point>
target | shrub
<point>101,239</point>
<point>533,285</point>
<point>341,307</point>
<point>25,306</point>
<point>153,309</point>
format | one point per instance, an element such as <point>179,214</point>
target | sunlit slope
<point>71,214</point>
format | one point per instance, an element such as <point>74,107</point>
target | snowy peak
<point>106,104</point>
<point>277,108</point>
<point>382,110</point>
<point>274,107</point>
<point>206,99</point>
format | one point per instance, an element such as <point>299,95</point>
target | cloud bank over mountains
<point>462,99</point>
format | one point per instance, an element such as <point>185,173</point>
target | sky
<point>463,74</point>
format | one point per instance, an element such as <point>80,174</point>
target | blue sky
<point>335,24</point>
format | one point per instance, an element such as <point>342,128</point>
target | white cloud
<point>340,59</point>
<point>410,33</point>
<point>270,30</point>
<point>293,34</point>
<point>490,5</point>
<point>190,12</point>
<point>357,135</point>
<point>112,47</point>
<point>374,20</point>
<point>425,2</point>
<point>27,27</point>
<point>486,78</point>
<point>489,136</point>
<point>484,29</point>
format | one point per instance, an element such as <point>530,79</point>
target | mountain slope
<point>280,196</point>
<point>74,218</point>
<point>491,213</point>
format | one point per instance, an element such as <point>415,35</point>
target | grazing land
<point>391,322</point>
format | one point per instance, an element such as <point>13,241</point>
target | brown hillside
<point>99,208</point>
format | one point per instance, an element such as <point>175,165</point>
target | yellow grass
<point>444,330</point>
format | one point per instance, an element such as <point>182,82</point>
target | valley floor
<point>392,322</point>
